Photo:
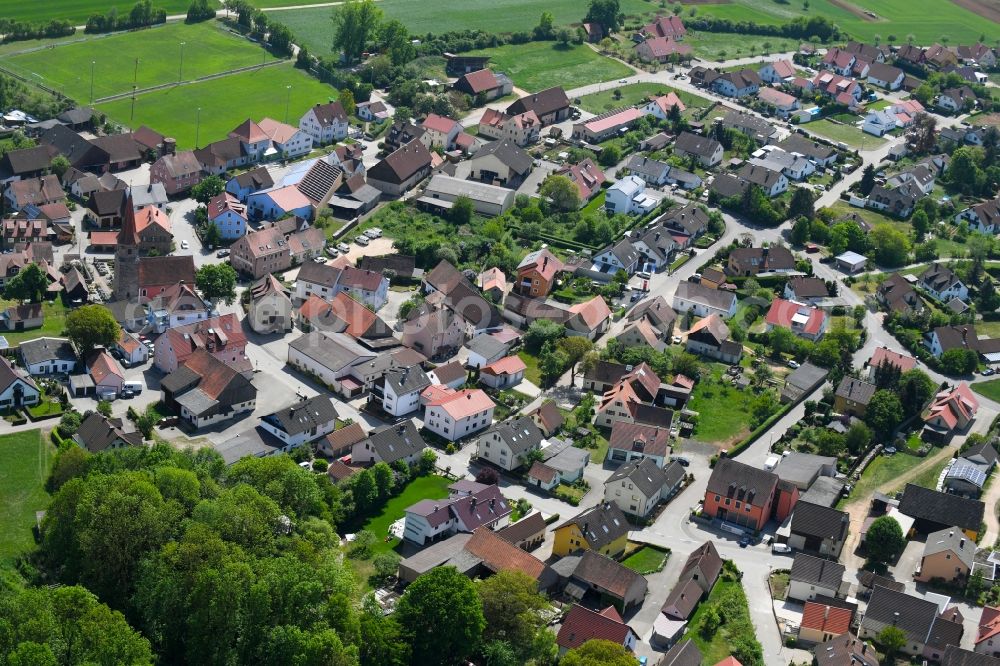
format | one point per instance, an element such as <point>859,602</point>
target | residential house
<point>501,163</point>
<point>484,85</point>
<point>48,356</point>
<point>741,494</point>
<point>933,511</point>
<point>957,100</point>
<point>852,396</point>
<point>782,103</point>
<point>988,636</point>
<point>604,376</point>
<point>941,283</point>
<point>794,167</point>
<point>508,443</point>
<point>455,414</point>
<point>439,131</point>
<point>249,182</point>
<point>401,170</point>
<point>898,296</point>
<point>814,576</point>
<point>521,129</point>
<point>638,487</point>
<point>632,399</point>
<point>536,273</point>
<point>502,374</point>
<point>703,301</point>
<point>373,111</point>
<point>339,361</point>
<point>228,215</point>
<point>707,151</point>
<point>749,261</point>
<point>99,433</point>
<point>582,624</point>
<point>153,194</point>
<point>221,336</point>
<point>805,321</point>
<point>898,201</point>
<point>840,61</point>
<point>602,528</point>
<point>822,154</point>
<point>650,171</point>
<point>642,334</point>
<point>600,576</point>
<point>157,274</point>
<point>154,229</point>
<point>550,106</point>
<point>442,191</point>
<point>34,192</point>
<point>628,195</point>
<point>983,217</point>
<point>130,349</point>
<point>302,422</point>
<point>928,632</point>
<point>818,529</point>
<point>205,391</point>
<point>398,390</point>
<point>547,417</point>
<point>778,71</point>
<point>737,83</point>
<point>710,337</point>
<point>176,306</point>
<point>589,319</point>
<point>951,412</point>
<point>606,125</point>
<point>16,388</point>
<point>771,182</point>
<point>656,312</point>
<point>843,90</point>
<point>885,76</point>
<point>388,444</point>
<point>661,106</point>
<point>587,177</point>
<point>431,519</point>
<point>665,26</point>
<point>622,256</point>
<point>822,621</point>
<point>943,338</point>
<point>433,331</point>
<point>880,122</point>
<point>697,578</point>
<point>561,463</point>
<point>177,172</point>
<point>754,127</point>
<point>884,357</point>
<point>221,156</point>
<point>106,208</point>
<point>662,50</point>
<point>105,372</point>
<point>325,123</point>
<point>948,558</point>
<point>811,290</point>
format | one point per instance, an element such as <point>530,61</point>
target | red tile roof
<point>885,355</point>
<point>439,123</point>
<point>498,555</point>
<point>458,404</point>
<point>593,312</point>
<point>989,624</point>
<point>508,365</point>
<point>783,313</point>
<point>102,365</point>
<point>582,624</point>
<point>826,619</point>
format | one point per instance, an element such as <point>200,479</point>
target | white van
<point>135,387</point>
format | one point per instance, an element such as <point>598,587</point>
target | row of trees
<point>16,31</point>
<point>141,15</point>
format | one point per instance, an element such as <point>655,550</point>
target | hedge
<point>760,430</point>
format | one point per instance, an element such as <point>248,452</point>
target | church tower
<point>127,258</point>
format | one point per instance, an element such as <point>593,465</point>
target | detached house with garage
<point>325,123</point>
<point>704,301</point>
<point>430,520</point>
<point>455,414</point>
<point>303,422</point>
<point>388,444</point>
<point>941,283</point>
<point>507,444</point>
<point>401,170</point>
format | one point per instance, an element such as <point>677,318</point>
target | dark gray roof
<point>407,380</point>
<point>601,524</point>
<point>396,442</point>
<point>606,372</point>
<point>699,293</point>
<point>520,434</point>
<point>819,521</point>
<point>698,145</point>
<point>644,475</point>
<point>951,539</point>
<point>808,287</point>
<point>320,274</point>
<point>985,449</point>
<point>486,346</point>
<point>46,349</point>
<point>817,571</point>
<point>527,527</point>
<point>856,390</point>
<point>508,153</point>
<point>332,350</point>
<point>673,473</point>
<point>806,376</point>
<point>303,415</point>
<point>685,653</point>
<point>941,508</point>
<point>97,433</point>
<point>845,650</point>
<point>956,656</point>
<point>731,478</point>
<point>915,616</point>
<point>255,442</point>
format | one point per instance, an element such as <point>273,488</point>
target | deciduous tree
<point>92,326</point>
<point>442,617</point>
<point>217,282</point>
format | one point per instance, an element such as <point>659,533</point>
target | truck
<point>771,462</point>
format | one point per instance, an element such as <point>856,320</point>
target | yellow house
<point>602,529</point>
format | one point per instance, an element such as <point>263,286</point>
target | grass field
<point>208,49</point>
<point>635,93</point>
<point>929,477</point>
<point>423,487</point>
<point>52,326</point>
<point>225,103</point>
<point>880,474</point>
<point>873,217</point>
<point>990,389</point>
<point>926,20</point>
<point>849,134</point>
<point>646,560</point>
<point>716,647</point>
<point>710,45</point>
<point>312,25</point>
<point>27,459</point>
<point>77,11</point>
<point>539,65</point>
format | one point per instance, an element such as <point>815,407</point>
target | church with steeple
<point>127,258</point>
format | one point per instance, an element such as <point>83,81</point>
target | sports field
<point>224,103</point>
<point>27,459</point>
<point>312,26</point>
<point>927,20</point>
<point>208,49</point>
<point>538,65</point>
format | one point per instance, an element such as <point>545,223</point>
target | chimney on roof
<point>961,542</point>
<point>473,502</point>
<point>401,428</point>
<point>864,647</point>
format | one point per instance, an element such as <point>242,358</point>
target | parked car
<point>680,460</point>
<point>344,247</point>
<point>676,339</point>
<point>184,245</point>
<point>374,233</point>
<point>222,253</point>
<point>333,252</point>
<point>793,364</point>
<point>744,542</point>
<point>362,240</point>
<point>889,450</point>
<point>987,372</point>
<point>319,260</point>
<point>781,548</point>
<point>643,274</point>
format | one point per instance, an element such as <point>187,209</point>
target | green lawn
<point>990,389</point>
<point>929,477</point>
<point>54,323</point>
<point>880,474</point>
<point>873,217</point>
<point>208,49</point>
<point>646,560</point>
<point>723,426</point>
<point>312,25</point>
<point>848,134</point>
<point>926,20</point>
<point>632,94</point>
<point>538,65</point>
<point>423,487</point>
<point>710,45</point>
<point>45,408</point>
<point>27,459</point>
<point>532,374</point>
<point>224,103</point>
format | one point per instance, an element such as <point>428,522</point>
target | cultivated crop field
<point>208,49</point>
<point>927,20</point>
<point>77,11</point>
<point>312,26</point>
<point>539,65</point>
<point>224,102</point>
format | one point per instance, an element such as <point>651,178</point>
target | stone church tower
<point>127,258</point>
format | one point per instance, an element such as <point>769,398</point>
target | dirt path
<point>853,9</point>
<point>858,509</point>
<point>991,499</point>
<point>988,9</point>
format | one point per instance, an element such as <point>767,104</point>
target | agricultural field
<point>927,20</point>
<point>27,459</point>
<point>208,49</point>
<point>539,65</point>
<point>77,11</point>
<point>635,93</point>
<point>224,103</point>
<point>313,28</point>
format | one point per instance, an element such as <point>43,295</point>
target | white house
<point>305,421</point>
<point>286,140</point>
<point>984,217</point>
<point>431,519</point>
<point>941,283</point>
<point>48,356</point>
<point>879,122</point>
<point>485,349</point>
<point>507,372</point>
<point>16,389</point>
<point>455,414</point>
<point>628,195</point>
<point>507,444</point>
<point>885,76</point>
<point>639,487</point>
<point>777,71</point>
<point>132,351</point>
<point>622,256</point>
<point>325,123</point>
<point>794,166</point>
<point>400,388</point>
<point>812,575</point>
<point>704,301</point>
<point>228,215</point>
<point>399,442</point>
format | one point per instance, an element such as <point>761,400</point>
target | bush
<point>320,465</point>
